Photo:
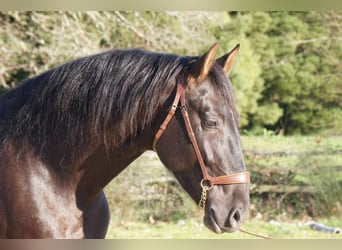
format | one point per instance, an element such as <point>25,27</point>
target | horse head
<point>201,144</point>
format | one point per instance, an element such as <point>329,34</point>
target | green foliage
<point>291,70</point>
<point>298,77</point>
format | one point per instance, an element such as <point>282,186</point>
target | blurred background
<point>288,87</point>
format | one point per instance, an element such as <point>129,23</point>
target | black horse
<point>65,134</point>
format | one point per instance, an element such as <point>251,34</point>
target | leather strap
<point>174,107</point>
<point>192,137</point>
<point>237,178</point>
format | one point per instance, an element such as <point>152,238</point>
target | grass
<point>291,143</point>
<point>194,229</point>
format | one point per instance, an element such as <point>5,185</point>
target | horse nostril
<point>234,219</point>
<point>236,216</point>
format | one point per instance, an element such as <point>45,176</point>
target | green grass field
<point>141,192</point>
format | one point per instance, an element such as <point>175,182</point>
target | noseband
<point>208,181</point>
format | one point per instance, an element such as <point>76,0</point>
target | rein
<point>208,181</point>
<point>256,235</point>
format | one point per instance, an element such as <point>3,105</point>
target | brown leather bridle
<point>208,181</point>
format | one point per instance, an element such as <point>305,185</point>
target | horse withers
<point>65,134</point>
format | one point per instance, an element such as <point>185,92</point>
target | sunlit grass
<point>194,229</point>
<point>291,143</point>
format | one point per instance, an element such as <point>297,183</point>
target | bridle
<point>208,181</point>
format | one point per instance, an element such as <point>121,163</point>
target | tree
<point>248,30</point>
<point>299,55</point>
<point>305,82</point>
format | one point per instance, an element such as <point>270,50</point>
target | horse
<point>66,133</point>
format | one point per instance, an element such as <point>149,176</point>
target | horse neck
<point>103,165</point>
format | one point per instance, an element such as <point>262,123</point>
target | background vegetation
<point>287,78</point>
<point>294,180</point>
<point>287,81</point>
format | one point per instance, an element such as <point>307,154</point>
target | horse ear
<point>199,70</point>
<point>228,59</point>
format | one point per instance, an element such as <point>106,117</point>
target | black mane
<point>105,97</point>
<point>120,87</point>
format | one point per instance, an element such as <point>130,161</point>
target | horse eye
<point>210,124</point>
